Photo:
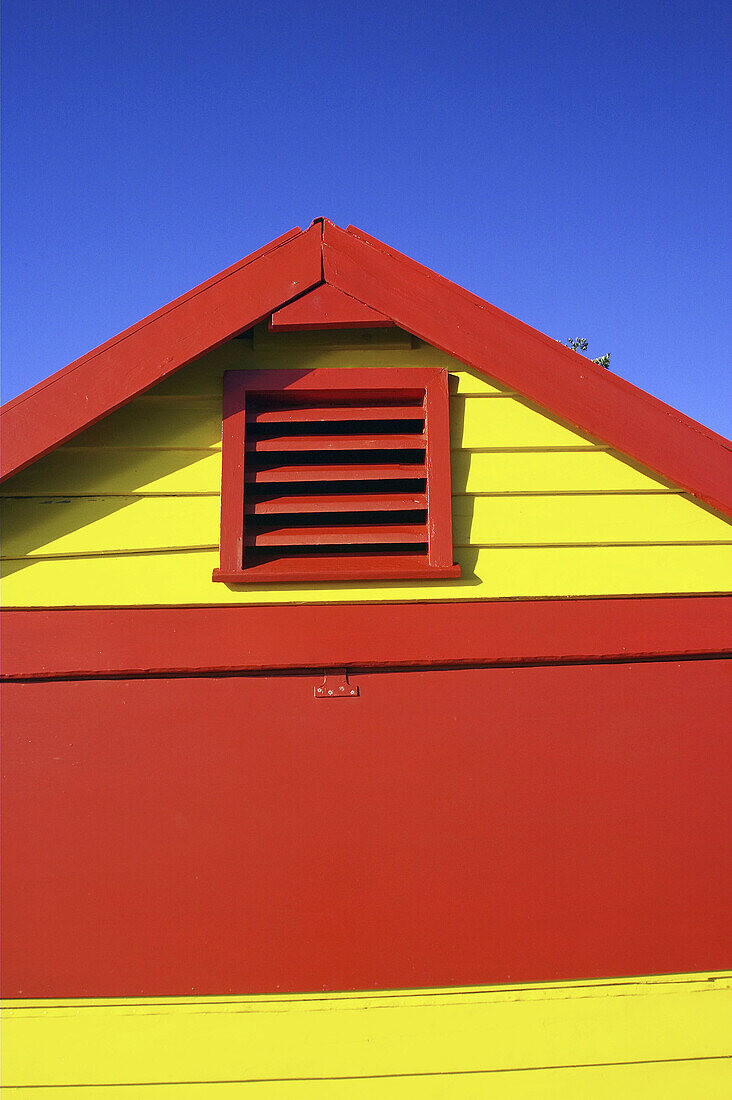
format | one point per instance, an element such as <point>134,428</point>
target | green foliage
<point>579,344</point>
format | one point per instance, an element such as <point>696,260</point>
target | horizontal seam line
<point>387,1076</point>
<point>499,493</point>
<point>334,549</point>
<point>640,982</point>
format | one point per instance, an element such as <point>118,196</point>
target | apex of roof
<point>404,293</point>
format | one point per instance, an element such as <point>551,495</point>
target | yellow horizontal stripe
<point>500,573</point>
<point>425,1036</point>
<point>44,527</point>
<point>75,471</point>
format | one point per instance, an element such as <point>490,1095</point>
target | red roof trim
<point>326,308</point>
<point>575,389</point>
<point>427,305</point>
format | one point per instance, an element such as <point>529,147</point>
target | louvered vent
<point>335,480</point>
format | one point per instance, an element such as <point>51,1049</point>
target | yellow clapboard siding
<point>283,1038</point>
<point>474,422</point>
<point>159,422</point>
<point>170,445</point>
<point>184,577</point>
<point>43,527</point>
<point>204,377</point>
<point>543,520</point>
<point>548,472</point>
<point>103,525</point>
<point>477,422</point>
<point>77,471</point>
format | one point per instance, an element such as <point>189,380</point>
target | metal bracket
<point>335,685</point>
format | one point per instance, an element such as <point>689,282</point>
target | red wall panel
<point>234,834</point>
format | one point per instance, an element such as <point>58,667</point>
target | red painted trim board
<point>326,308</point>
<point>140,641</point>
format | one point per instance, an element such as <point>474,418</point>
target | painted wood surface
<point>326,308</point>
<point>644,1037</point>
<point>129,513</point>
<point>43,642</point>
<point>215,835</point>
<point>49,527</point>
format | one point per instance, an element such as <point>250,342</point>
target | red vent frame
<point>249,392</point>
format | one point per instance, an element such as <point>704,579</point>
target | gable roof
<point>585,395</point>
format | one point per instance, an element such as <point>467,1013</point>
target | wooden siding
<point>128,513</point>
<point>667,1036</point>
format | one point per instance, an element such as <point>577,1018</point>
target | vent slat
<point>367,535</point>
<point>286,474</point>
<point>315,414</point>
<point>346,502</point>
<point>338,443</point>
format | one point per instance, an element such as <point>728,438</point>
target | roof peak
<point>403,292</point>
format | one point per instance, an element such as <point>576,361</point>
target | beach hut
<point>366,709</point>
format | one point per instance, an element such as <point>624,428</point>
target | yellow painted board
<point>549,472</point>
<point>496,422</point>
<point>506,422</point>
<point>77,471</point>
<point>673,1080</point>
<point>184,577</point>
<point>158,423</point>
<point>96,525</point>
<point>544,520</point>
<point>40,526</point>
<point>369,1036</point>
<point>74,471</point>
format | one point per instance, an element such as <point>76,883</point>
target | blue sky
<point>567,162</point>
